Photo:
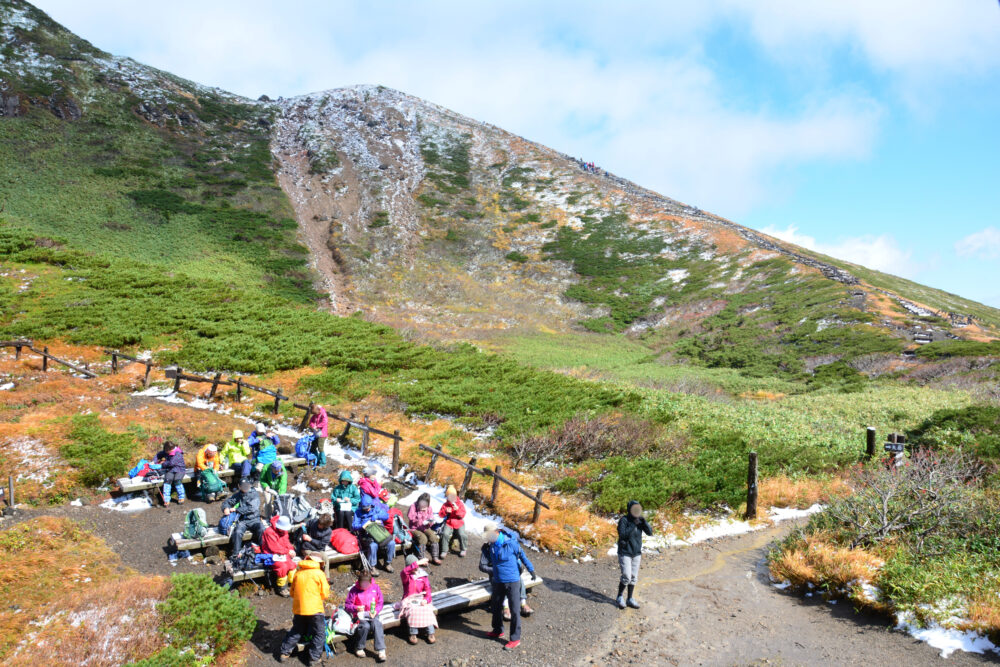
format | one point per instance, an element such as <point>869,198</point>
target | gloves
<point>534,576</point>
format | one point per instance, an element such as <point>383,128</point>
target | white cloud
<point>984,244</point>
<point>881,252</point>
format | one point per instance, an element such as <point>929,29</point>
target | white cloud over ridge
<point>880,252</point>
<point>984,244</point>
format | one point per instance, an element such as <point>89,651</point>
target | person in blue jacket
<point>264,447</point>
<point>173,470</point>
<point>506,555</point>
<point>373,511</point>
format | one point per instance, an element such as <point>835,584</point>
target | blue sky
<point>866,130</point>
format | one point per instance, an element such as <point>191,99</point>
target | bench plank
<point>330,557</point>
<point>128,485</point>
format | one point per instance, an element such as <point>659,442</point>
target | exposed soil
<point>709,604</point>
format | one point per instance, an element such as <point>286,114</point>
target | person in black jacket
<point>246,504</point>
<point>630,530</point>
<point>316,534</point>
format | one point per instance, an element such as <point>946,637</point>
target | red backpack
<point>344,541</point>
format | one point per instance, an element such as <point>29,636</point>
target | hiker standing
<point>630,530</point>
<point>174,470</point>
<point>309,589</point>
<point>453,512</point>
<point>505,555</point>
<point>417,604</point>
<point>364,603</point>
<point>422,519</point>
<point>246,504</point>
<point>319,424</point>
<point>345,497</point>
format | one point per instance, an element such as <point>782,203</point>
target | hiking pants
<point>422,537</point>
<point>170,480</point>
<point>343,518</point>
<point>512,593</point>
<point>374,626</point>
<point>240,470</point>
<point>314,625</point>
<point>446,536</point>
<point>630,569</point>
<point>371,546</point>
<point>255,527</point>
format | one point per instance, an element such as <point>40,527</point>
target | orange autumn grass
<point>814,561</point>
<point>784,491</point>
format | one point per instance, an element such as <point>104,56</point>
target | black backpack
<point>245,559</point>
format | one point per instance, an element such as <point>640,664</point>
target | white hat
<point>213,448</point>
<point>283,523</point>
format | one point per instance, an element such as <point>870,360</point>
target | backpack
<point>296,508</point>
<point>245,559</point>
<point>210,482</point>
<point>378,533</point>
<point>142,468</point>
<point>399,530</point>
<point>226,523</point>
<point>344,541</point>
<point>303,449</point>
<point>195,525</point>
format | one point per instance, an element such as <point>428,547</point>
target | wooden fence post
<point>395,451</point>
<point>751,512</point>
<point>114,361</point>
<point>177,380</point>
<point>430,467</point>
<point>364,435</point>
<point>305,418</point>
<point>538,508</point>
<point>870,443</point>
<point>145,379</point>
<point>496,484</point>
<point>277,401</point>
<point>239,389</point>
<point>468,478</point>
<point>215,385</point>
<point>17,352</point>
<point>45,358</point>
<point>10,490</point>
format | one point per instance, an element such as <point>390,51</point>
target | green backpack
<point>210,482</point>
<point>195,524</point>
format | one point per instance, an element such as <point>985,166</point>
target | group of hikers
<point>363,517</point>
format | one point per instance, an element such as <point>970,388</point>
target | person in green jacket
<point>345,497</point>
<point>274,481</point>
<point>236,455</point>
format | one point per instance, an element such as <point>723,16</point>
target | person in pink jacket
<point>363,603</point>
<point>369,486</point>
<point>417,604</point>
<point>319,424</point>
<point>422,519</point>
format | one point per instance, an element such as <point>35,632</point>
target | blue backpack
<point>302,449</point>
<point>142,468</point>
<point>226,522</point>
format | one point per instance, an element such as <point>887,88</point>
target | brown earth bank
<point>708,604</point>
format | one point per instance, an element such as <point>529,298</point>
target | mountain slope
<point>424,219</point>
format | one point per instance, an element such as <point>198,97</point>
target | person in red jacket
<point>276,542</point>
<point>453,512</point>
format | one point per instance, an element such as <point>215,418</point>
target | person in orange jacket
<point>310,589</point>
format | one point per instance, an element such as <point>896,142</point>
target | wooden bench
<point>330,557</point>
<point>212,537</point>
<point>128,485</point>
<point>449,600</point>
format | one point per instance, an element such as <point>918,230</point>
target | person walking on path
<point>310,589</point>
<point>630,530</point>
<point>505,556</point>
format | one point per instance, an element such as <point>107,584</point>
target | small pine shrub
<point>98,454</point>
<point>516,256</point>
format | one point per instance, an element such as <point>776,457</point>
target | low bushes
<point>976,427</point>
<point>98,454</point>
<point>586,437</point>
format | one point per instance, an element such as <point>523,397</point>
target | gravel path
<point>709,604</point>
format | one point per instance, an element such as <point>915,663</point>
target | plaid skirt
<point>418,614</point>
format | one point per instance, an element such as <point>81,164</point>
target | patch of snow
<point>782,585</point>
<point>6,386</point>
<point>947,640</point>
<point>475,521</point>
<point>76,503</point>
<point>128,503</point>
<point>300,488</point>
<point>779,514</point>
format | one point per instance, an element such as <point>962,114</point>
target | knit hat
<point>450,491</point>
<point>410,560</point>
<point>276,466</point>
<point>245,484</point>
<point>366,501</point>
<point>370,471</point>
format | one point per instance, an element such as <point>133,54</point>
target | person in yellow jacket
<point>236,455</point>
<point>310,589</point>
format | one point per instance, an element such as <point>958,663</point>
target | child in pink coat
<point>417,605</point>
<point>363,603</point>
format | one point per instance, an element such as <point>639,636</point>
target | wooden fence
<point>20,345</point>
<point>471,469</point>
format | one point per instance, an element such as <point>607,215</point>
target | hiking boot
<point>632,603</point>
<point>431,639</point>
<point>526,610</point>
<point>412,639</point>
<point>511,645</point>
<point>621,601</point>
<point>461,554</point>
<point>361,653</point>
<point>495,635</point>
<point>388,568</point>
<point>180,501</point>
<point>282,657</point>
<point>283,592</point>
<point>380,656</point>
<point>435,554</point>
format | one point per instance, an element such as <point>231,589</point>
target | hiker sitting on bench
<point>316,534</point>
<point>236,456</point>
<point>369,486</point>
<point>310,589</point>
<point>173,470</point>
<point>369,527</point>
<point>207,466</point>
<point>422,520</point>
<point>264,447</point>
<point>246,503</point>
<point>417,605</point>
<point>363,603</point>
<point>276,542</point>
<point>274,481</point>
<point>345,497</point>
